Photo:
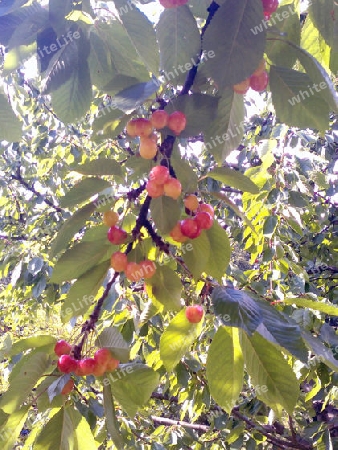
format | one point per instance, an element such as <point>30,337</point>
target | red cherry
<point>134,271</point>
<point>204,220</point>
<point>148,268</point>
<point>154,190</point>
<point>102,356</point>
<point>139,127</point>
<point>62,348</point>
<point>177,122</point>
<point>159,175</point>
<point>116,235</point>
<point>67,364</point>
<point>190,228</point>
<point>177,235</point>
<point>205,207</point>
<point>242,87</point>
<point>194,313</point>
<point>259,82</point>
<point>119,261</point>
<point>172,3</point>
<point>159,119</point>
<point>68,387</point>
<point>172,188</point>
<point>112,365</point>
<point>191,202</point>
<point>87,366</point>
<point>270,6</point>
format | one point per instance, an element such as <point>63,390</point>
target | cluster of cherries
<point>269,7</point>
<point>161,183</point>
<point>119,260</point>
<point>258,81</point>
<point>144,129</point>
<point>191,227</point>
<point>101,362</point>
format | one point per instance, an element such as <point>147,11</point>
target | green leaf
<point>236,309</point>
<point>184,173</point>
<point>81,295</point>
<point>11,430</point>
<point>318,76</point>
<point>196,254</point>
<point>276,50</point>
<point>233,178</point>
<point>111,421</point>
<point>283,331</point>
<point>78,260</point>
<point>132,96</point>
<point>24,377</point>
<point>177,339</point>
<point>37,341</point>
<point>106,120</point>
<point>294,102</point>
<point>10,125</point>
<point>111,338</point>
<point>70,227</point>
<point>72,100</point>
<point>179,42</point>
<point>142,35</point>
<point>99,167</point>
<point>225,367</point>
<point>67,427</point>
<point>231,34</point>
<point>269,226</point>
<point>165,288</point>
<point>132,386</point>
<point>165,212</point>
<point>320,350</point>
<point>274,380</point>
<point>200,111</point>
<point>85,189</point>
<point>320,13</point>
<point>27,32</point>
<point>12,21</point>
<point>313,42</point>
<point>315,305</point>
<point>220,251</point>
<point>226,131</point>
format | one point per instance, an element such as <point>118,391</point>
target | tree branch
<point>181,423</point>
<point>18,177</point>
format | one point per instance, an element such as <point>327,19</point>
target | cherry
<point>172,3</point>
<point>67,364</point>
<point>242,87</point>
<point>148,148</point>
<point>68,387</point>
<point>116,235</point>
<point>260,69</point>
<point>177,122</point>
<point>62,348</point>
<point>259,83</point>
<point>87,366</point>
<point>139,127</point>
<point>204,220</point>
<point>159,119</point>
<point>110,218</point>
<point>205,207</point>
<point>190,228</point>
<point>177,235</point>
<point>270,6</point>
<point>154,190</point>
<point>102,356</point>
<point>119,261</point>
<point>194,313</point>
<point>148,268</point>
<point>133,271</point>
<point>159,175</point>
<point>112,365</point>
<point>172,188</point>
<point>191,202</point>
